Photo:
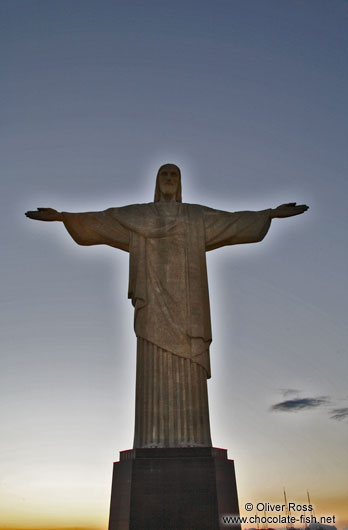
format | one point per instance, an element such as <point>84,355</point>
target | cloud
<point>339,414</point>
<point>293,405</point>
<point>288,391</point>
<point>298,403</point>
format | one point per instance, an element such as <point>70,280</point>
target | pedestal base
<point>173,489</point>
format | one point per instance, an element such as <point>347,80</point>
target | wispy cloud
<point>306,403</point>
<point>339,414</point>
<point>288,391</point>
<point>294,405</point>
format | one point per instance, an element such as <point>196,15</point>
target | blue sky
<point>249,99</point>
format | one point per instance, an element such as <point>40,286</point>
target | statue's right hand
<point>44,214</point>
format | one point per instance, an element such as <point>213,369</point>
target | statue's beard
<point>168,192</point>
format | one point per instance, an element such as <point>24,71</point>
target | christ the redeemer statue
<point>167,241</point>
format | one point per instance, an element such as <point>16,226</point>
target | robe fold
<point>168,283</point>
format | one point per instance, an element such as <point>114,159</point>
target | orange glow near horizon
<point>325,508</point>
<point>35,527</point>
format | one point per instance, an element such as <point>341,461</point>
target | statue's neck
<point>168,207</point>
<point>167,198</point>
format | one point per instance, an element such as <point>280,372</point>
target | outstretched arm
<point>288,210</point>
<point>44,214</point>
<point>88,228</point>
<point>235,228</point>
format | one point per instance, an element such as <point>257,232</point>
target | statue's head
<point>168,183</point>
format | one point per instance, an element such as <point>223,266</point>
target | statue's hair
<point>178,196</point>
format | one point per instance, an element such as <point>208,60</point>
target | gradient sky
<point>249,98</point>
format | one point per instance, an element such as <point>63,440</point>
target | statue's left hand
<point>288,210</point>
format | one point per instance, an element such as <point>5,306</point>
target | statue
<point>168,286</point>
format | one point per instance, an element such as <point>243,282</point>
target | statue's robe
<point>168,286</point>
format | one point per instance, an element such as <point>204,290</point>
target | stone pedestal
<point>173,489</point>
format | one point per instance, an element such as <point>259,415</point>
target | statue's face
<point>168,179</point>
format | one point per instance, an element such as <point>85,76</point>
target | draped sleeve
<point>226,228</point>
<point>98,228</point>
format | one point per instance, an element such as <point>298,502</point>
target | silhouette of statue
<point>168,286</point>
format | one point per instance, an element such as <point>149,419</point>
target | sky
<point>249,98</point>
